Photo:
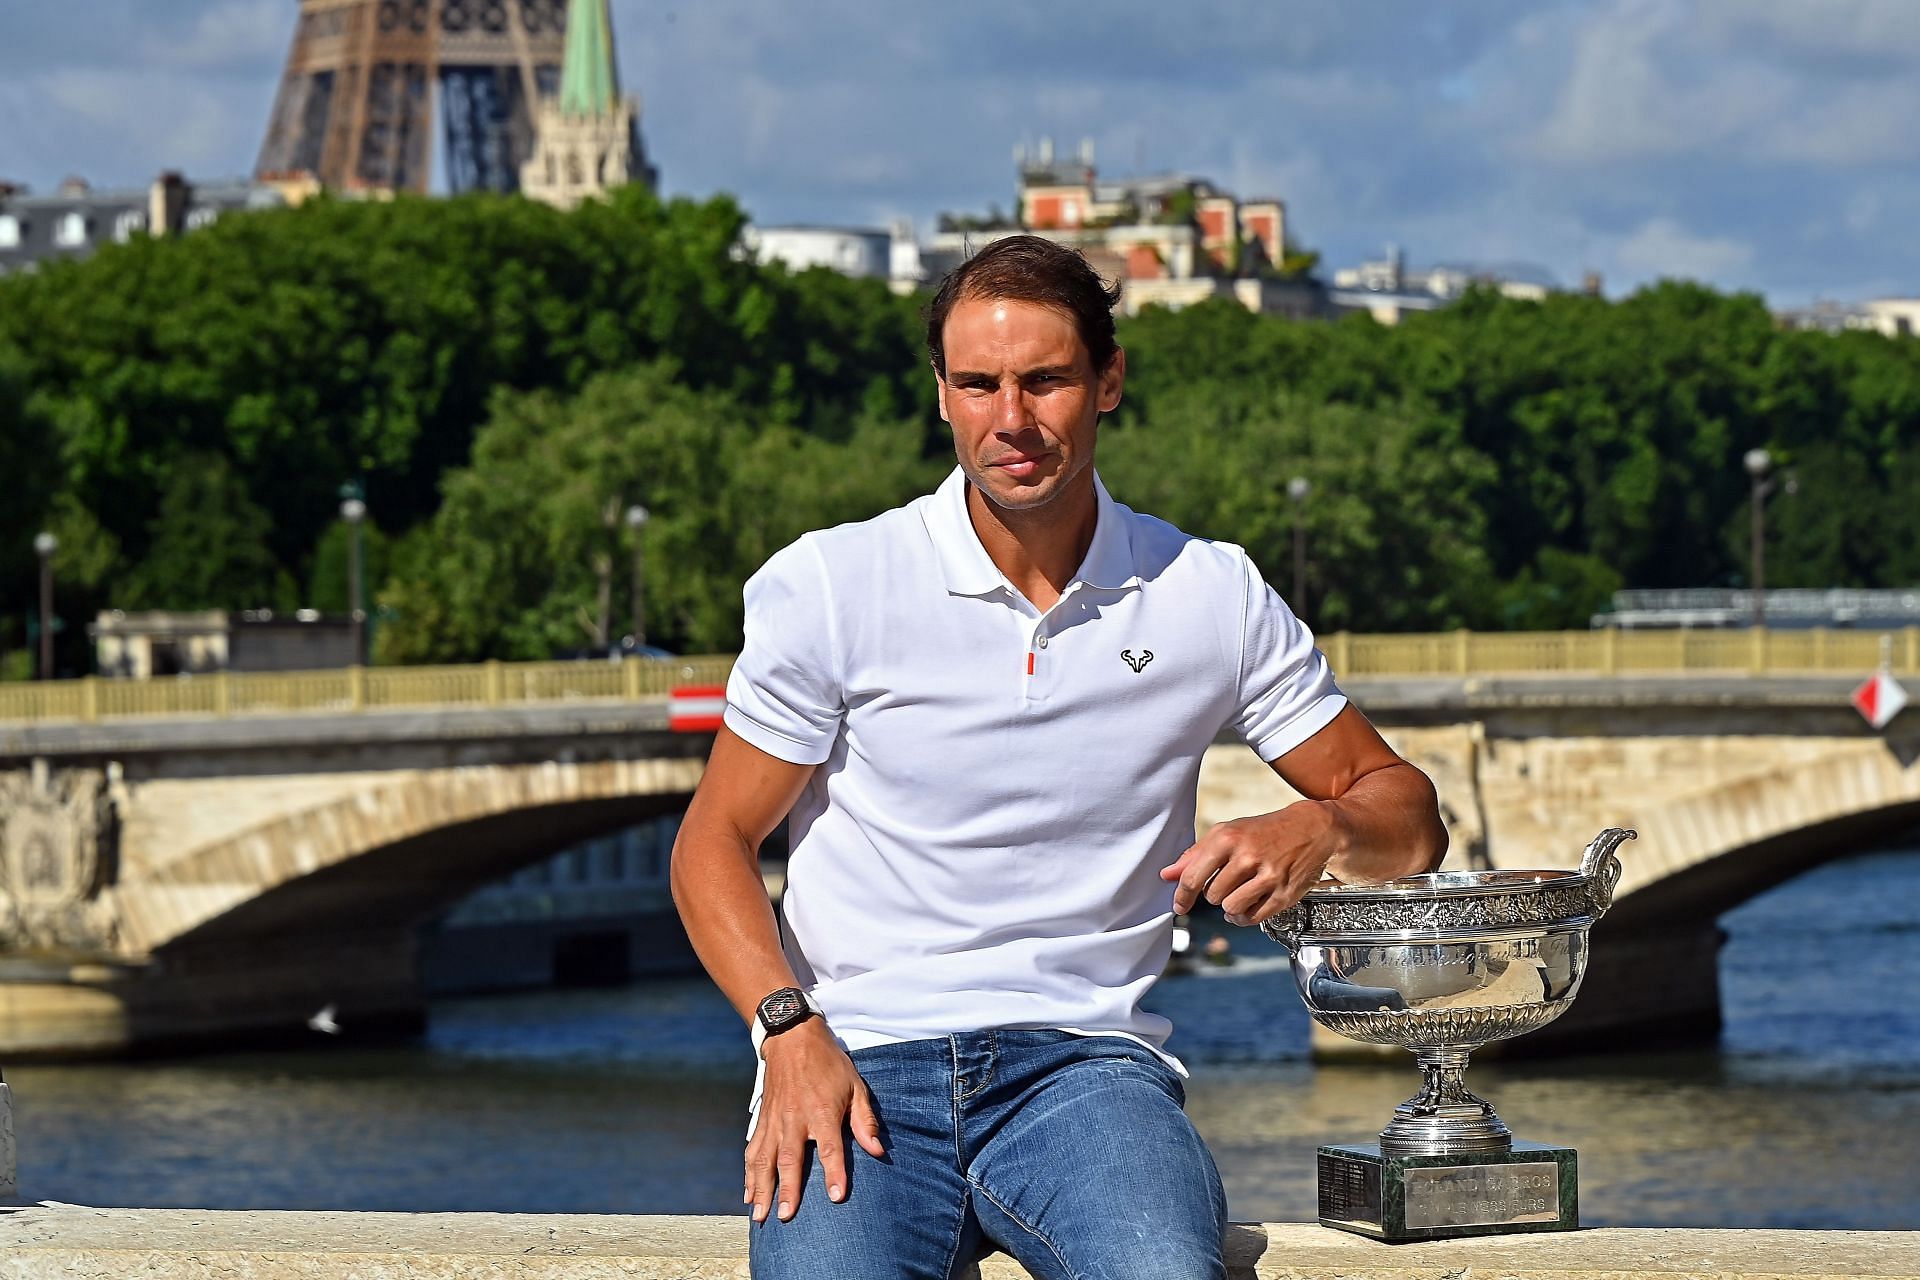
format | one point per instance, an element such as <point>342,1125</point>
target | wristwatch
<point>782,1011</point>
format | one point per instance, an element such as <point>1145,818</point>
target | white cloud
<point>1871,30</point>
<point>121,128</point>
<point>1638,88</point>
<point>228,34</point>
<point>1759,142</point>
<point>1664,248</point>
<point>1863,212</point>
<point>1764,82</point>
<point>1851,126</point>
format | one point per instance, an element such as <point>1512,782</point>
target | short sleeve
<point>784,694</point>
<point>1287,693</point>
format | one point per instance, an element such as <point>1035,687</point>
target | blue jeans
<point>1070,1153</point>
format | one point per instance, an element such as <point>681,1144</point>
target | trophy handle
<point>1286,926</point>
<point>1601,868</point>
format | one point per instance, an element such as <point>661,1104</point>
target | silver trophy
<point>1442,964</point>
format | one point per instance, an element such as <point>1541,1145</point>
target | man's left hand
<point>1252,868</point>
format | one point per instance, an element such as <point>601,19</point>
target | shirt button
<point>1041,642</point>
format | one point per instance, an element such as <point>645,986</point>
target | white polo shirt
<point>999,787</point>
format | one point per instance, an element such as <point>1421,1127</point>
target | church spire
<point>589,81</point>
<point>589,133</point>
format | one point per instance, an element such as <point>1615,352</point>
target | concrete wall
<point>75,1243</point>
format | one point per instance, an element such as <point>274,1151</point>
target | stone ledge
<point>1449,697</point>
<point>75,1243</point>
<point>255,731</point>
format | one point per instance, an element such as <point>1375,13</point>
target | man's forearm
<point>723,904</point>
<point>716,868</point>
<point>813,1095</point>
<point>1390,826</point>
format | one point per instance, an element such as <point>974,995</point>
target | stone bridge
<point>171,879</point>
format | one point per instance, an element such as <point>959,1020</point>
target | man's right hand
<point>812,1093</point>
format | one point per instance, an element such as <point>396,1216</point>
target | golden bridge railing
<point>1753,651</point>
<point>482,684</point>
<point>1515,654</point>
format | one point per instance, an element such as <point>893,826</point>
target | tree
<point>1392,542</point>
<point>1559,591</point>
<point>1179,208</point>
<point>182,411</point>
<point>522,551</point>
<point>330,584</point>
<point>367,339</point>
<point>1616,429</point>
<point>207,546</point>
<point>28,455</point>
<point>1297,263</point>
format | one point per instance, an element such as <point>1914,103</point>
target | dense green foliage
<point>1566,448</point>
<point>512,564</point>
<point>205,398</point>
<point>505,379</point>
<point>1396,542</point>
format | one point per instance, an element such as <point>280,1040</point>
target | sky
<point>1767,145</point>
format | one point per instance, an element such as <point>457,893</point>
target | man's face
<point>1022,397</point>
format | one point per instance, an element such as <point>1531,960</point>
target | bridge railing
<point>1512,654</point>
<point>1752,651</point>
<point>347,689</point>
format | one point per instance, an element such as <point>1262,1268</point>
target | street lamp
<point>44,545</point>
<point>637,517</point>
<point>1298,489</point>
<point>1759,464</point>
<point>353,509</point>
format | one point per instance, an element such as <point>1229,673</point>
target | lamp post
<point>1759,464</point>
<point>637,517</point>
<point>353,509</point>
<point>1298,489</point>
<point>44,545</point>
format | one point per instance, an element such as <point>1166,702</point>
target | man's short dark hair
<point>1036,270</point>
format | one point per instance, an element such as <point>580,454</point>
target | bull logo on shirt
<point>1138,664</point>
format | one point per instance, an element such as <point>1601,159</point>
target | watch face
<point>783,1008</point>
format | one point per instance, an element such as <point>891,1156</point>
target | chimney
<point>167,205</point>
<point>1590,284</point>
<point>74,187</point>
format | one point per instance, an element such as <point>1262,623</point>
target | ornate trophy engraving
<point>1442,964</point>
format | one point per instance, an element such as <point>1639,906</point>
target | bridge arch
<point>1654,973</point>
<point>1700,855</point>
<point>387,857</point>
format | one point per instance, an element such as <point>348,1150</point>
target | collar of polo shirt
<point>970,571</point>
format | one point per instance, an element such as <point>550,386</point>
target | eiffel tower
<point>356,105</point>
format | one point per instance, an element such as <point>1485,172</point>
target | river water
<point>632,1101</point>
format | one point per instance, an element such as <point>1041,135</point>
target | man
<point>986,712</point>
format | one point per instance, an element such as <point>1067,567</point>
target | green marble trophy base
<point>1398,1198</point>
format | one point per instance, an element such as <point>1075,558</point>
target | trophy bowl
<point>1442,964</point>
